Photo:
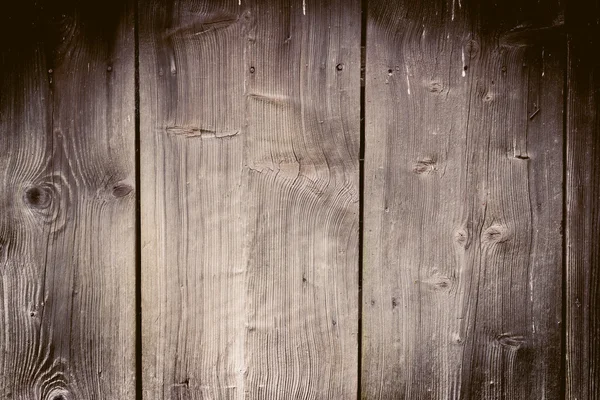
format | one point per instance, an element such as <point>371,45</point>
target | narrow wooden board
<point>67,201</point>
<point>463,200</point>
<point>249,171</point>
<point>583,203</point>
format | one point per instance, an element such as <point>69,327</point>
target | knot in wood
<point>457,339</point>
<point>439,282</point>
<point>121,190</point>
<point>495,234</point>
<point>47,199</point>
<point>59,395</point>
<point>39,196</point>
<point>488,97</point>
<point>472,48</point>
<point>425,166</point>
<point>435,87</point>
<point>462,238</point>
<point>510,340</point>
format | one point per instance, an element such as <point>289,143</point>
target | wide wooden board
<point>67,201</point>
<point>249,171</point>
<point>463,200</point>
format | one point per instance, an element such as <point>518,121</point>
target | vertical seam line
<point>361,207</point>
<point>138,228</point>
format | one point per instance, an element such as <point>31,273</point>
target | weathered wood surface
<point>67,201</point>
<point>583,203</point>
<point>463,200</point>
<point>249,196</point>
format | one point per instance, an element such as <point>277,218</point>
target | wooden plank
<point>249,170</point>
<point>583,203</point>
<point>67,201</point>
<point>463,200</point>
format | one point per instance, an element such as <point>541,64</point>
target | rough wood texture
<point>583,203</point>
<point>463,200</point>
<point>249,171</point>
<point>67,203</point>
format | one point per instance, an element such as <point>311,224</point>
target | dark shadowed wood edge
<point>582,298</point>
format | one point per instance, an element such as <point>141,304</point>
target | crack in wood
<point>195,132</point>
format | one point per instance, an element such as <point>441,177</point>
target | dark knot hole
<point>38,197</point>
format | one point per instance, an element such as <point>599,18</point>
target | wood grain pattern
<point>583,203</point>
<point>249,171</point>
<point>67,198</point>
<point>463,200</point>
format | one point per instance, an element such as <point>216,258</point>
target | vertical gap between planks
<point>563,332</point>
<point>361,207</point>
<point>138,221</point>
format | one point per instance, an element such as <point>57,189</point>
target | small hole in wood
<point>339,67</point>
<point>252,70</point>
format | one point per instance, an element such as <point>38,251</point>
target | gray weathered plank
<point>463,200</point>
<point>67,202</point>
<point>583,203</point>
<point>249,172</point>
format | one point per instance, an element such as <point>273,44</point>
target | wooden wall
<point>300,199</point>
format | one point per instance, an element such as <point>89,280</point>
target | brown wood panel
<point>67,201</point>
<point>249,171</point>
<point>583,203</point>
<point>463,200</point>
